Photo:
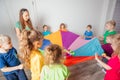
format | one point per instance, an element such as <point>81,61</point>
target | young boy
<point>9,63</point>
<point>110,26</point>
<point>88,33</point>
<point>45,30</point>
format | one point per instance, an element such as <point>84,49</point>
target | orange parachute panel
<point>55,38</point>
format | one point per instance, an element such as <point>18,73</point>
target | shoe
<point>103,70</point>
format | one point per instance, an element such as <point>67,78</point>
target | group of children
<point>49,66</point>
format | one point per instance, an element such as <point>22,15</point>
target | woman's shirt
<point>19,26</point>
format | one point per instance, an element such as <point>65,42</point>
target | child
<point>54,69</point>
<point>30,43</point>
<point>107,47</point>
<point>110,26</point>
<point>113,65</point>
<point>24,22</point>
<point>63,27</point>
<point>9,63</point>
<point>45,30</point>
<point>88,33</point>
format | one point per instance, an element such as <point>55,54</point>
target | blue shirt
<point>88,34</point>
<point>9,59</point>
<point>45,33</point>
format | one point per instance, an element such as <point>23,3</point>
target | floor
<point>88,70</point>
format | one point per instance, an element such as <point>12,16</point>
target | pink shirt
<point>114,73</point>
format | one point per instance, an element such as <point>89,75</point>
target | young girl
<point>63,27</point>
<point>32,57</point>
<point>107,47</point>
<point>88,33</point>
<point>9,63</point>
<point>113,65</point>
<point>24,22</point>
<point>110,26</point>
<point>54,69</point>
<point>45,30</point>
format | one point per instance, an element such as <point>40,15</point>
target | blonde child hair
<point>111,23</point>
<point>26,44</point>
<point>116,43</point>
<point>4,38</point>
<point>53,54</point>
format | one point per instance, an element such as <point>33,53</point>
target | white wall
<point>77,14</point>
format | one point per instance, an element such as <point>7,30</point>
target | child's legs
<point>12,76</point>
<point>21,75</point>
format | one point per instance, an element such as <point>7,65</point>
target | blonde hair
<point>4,38</point>
<point>26,44</point>
<point>112,23</point>
<point>116,41</point>
<point>53,54</point>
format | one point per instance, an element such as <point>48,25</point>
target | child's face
<point>7,45</point>
<point>45,28</point>
<point>108,27</point>
<point>88,28</point>
<point>25,16</point>
<point>62,27</point>
<point>38,44</point>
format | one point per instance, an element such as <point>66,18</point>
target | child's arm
<point>101,38</point>
<point>89,36</point>
<point>107,67</point>
<point>8,69</point>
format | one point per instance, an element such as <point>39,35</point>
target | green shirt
<point>107,33</point>
<point>54,72</point>
<point>18,25</point>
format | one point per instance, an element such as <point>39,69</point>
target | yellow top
<point>36,64</point>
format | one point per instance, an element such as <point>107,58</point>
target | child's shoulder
<point>36,53</point>
<point>55,66</point>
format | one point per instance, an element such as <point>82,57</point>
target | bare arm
<point>17,32</point>
<point>101,38</point>
<point>8,69</point>
<point>107,57</point>
<point>89,36</point>
<point>107,67</point>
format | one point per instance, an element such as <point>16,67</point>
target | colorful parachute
<point>83,49</point>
